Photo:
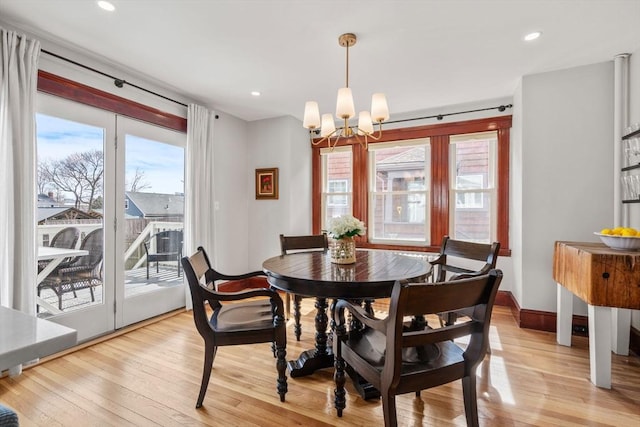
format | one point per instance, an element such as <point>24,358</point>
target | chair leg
<point>281,367</point>
<point>287,305</point>
<point>470,400</point>
<point>297,327</point>
<point>209,356</point>
<point>339,378</point>
<point>389,410</point>
<point>147,270</point>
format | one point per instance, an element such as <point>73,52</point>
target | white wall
<point>230,136</point>
<point>567,164</point>
<point>634,117</point>
<point>284,144</point>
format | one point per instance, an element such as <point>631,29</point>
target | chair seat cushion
<point>242,316</point>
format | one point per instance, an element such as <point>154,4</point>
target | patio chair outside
<point>168,247</point>
<point>83,272</point>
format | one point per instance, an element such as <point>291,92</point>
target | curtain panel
<point>18,86</point>
<point>199,220</point>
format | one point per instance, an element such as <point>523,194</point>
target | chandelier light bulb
<point>345,108</point>
<point>328,126</point>
<point>379,108</point>
<point>365,126</point>
<point>311,115</point>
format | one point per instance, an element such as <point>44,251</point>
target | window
<point>417,184</point>
<point>472,163</point>
<point>399,191</point>
<point>336,183</point>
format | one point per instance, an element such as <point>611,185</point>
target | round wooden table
<point>313,274</point>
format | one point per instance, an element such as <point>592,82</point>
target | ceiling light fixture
<point>532,36</point>
<point>106,5</point>
<point>345,110</point>
<point>255,93</point>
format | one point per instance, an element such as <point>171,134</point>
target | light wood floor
<point>151,376</point>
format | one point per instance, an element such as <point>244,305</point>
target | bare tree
<point>138,183</point>
<point>80,174</point>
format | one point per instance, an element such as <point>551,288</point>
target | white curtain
<point>199,190</point>
<point>18,85</point>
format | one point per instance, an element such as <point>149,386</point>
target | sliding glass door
<point>110,217</point>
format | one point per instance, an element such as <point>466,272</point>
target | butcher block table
<point>608,280</point>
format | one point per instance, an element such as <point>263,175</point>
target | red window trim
<point>439,135</point>
<point>78,92</point>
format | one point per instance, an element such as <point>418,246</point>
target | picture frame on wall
<point>267,183</point>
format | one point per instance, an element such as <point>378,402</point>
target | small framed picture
<point>267,183</point>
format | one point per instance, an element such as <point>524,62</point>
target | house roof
<point>64,212</point>
<point>157,204</point>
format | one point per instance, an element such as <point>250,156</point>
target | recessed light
<point>255,93</point>
<point>106,5</point>
<point>532,36</point>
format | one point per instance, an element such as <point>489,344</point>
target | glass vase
<point>343,251</point>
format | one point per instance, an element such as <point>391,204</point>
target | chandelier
<point>345,110</point>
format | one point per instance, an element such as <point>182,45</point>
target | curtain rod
<point>116,81</point>
<point>441,116</point>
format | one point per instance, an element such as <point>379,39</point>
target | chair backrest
<point>413,299</point>
<point>168,241</point>
<point>66,238</point>
<point>303,243</point>
<point>484,255</point>
<point>195,269</point>
<point>92,242</point>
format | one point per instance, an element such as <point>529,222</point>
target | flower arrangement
<point>346,226</point>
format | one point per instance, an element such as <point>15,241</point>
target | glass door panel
<point>74,283</point>
<point>153,218</point>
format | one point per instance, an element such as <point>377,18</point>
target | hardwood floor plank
<point>151,376</point>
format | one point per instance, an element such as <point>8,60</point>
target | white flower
<point>346,226</point>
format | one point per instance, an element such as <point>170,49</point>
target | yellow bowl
<point>620,242</point>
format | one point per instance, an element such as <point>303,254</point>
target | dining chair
<point>398,360</point>
<point>289,244</point>
<point>246,317</point>
<point>477,258</point>
<point>168,247</point>
<point>66,238</point>
<point>82,272</point>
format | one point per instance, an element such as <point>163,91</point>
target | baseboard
<point>546,321</point>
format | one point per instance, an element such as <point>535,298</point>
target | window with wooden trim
<point>417,184</point>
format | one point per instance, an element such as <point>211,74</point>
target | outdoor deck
<point>135,282</point>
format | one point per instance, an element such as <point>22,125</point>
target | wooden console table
<point>608,280</point>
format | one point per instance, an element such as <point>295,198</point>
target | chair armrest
<point>359,313</point>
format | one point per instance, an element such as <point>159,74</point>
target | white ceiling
<point>421,54</point>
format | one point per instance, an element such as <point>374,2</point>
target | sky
<point>162,164</point>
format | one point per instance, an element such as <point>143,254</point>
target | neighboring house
<point>47,200</point>
<point>154,205</point>
<point>55,213</point>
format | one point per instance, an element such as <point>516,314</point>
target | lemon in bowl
<point>621,238</point>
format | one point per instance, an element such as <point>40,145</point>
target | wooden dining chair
<point>246,317</point>
<point>459,259</point>
<point>289,244</point>
<point>398,360</point>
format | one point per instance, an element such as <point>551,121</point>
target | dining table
<point>313,274</point>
